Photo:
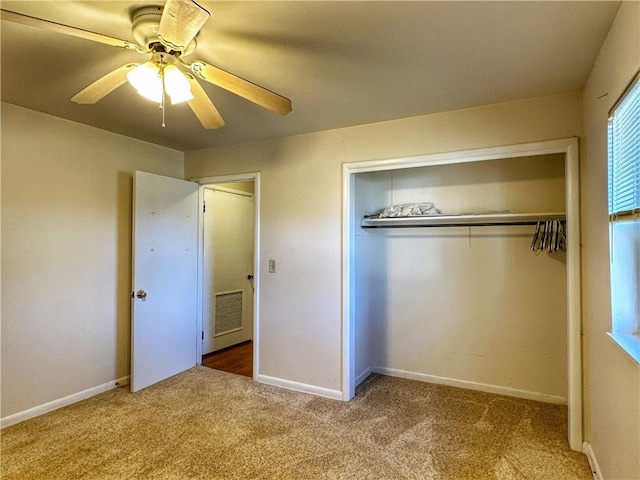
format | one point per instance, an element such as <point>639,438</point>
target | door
<point>228,268</point>
<point>165,269</point>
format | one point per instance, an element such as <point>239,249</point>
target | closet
<point>463,299</point>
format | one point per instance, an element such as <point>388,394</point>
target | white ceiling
<point>341,63</point>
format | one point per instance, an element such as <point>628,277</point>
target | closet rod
<point>480,220</point>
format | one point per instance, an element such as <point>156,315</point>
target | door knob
<point>249,277</point>
<point>141,294</point>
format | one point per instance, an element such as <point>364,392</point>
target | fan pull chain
<point>164,94</point>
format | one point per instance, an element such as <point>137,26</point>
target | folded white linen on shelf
<point>410,210</point>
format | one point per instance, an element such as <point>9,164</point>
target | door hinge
<point>203,335</point>
<point>204,207</point>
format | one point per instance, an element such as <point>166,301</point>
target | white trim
<point>256,276</point>
<point>61,402</point>
<point>362,377</point>
<point>574,304</point>
<point>348,288</point>
<point>123,381</point>
<point>199,307</point>
<point>593,461</point>
<point>567,146</point>
<point>209,183</point>
<point>481,387</point>
<point>237,329</point>
<point>300,387</point>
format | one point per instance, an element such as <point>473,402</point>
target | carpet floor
<point>214,425</point>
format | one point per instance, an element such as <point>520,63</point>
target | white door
<point>228,269</point>
<point>165,269</point>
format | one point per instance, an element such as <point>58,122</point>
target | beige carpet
<point>213,425</point>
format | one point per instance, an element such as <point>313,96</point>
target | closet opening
<point>466,296</point>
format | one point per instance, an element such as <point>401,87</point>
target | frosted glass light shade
<point>146,80</point>
<point>176,85</point>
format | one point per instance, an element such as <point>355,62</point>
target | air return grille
<point>228,312</point>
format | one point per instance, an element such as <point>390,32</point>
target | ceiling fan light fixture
<point>147,81</point>
<point>176,85</point>
<point>167,33</point>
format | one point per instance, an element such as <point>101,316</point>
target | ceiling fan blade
<point>103,86</point>
<point>202,106</point>
<point>244,88</point>
<point>67,30</point>
<point>180,22</point>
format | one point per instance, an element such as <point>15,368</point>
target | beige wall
<point>612,383</point>
<point>301,179</point>
<point>66,242</point>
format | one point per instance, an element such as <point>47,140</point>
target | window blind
<point>624,156</point>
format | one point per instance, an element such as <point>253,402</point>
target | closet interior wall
<point>472,305</point>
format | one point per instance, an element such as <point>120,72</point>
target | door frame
<point>212,181</point>
<point>570,148</point>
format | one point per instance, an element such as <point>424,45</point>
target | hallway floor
<point>236,359</point>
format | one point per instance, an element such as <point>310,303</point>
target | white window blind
<point>624,156</point>
<point>624,215</point>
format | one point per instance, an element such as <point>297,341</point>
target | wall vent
<point>228,312</point>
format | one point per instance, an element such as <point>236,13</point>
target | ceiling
<point>341,63</point>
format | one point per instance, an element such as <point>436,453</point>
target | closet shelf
<point>479,220</point>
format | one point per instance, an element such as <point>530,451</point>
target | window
<point>624,219</point>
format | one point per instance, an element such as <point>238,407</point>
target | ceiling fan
<point>165,34</point>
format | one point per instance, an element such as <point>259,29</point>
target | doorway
<point>228,277</point>
<point>167,275</point>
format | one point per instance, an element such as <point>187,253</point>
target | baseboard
<point>361,378</point>
<point>482,387</point>
<point>300,387</point>
<point>123,382</point>
<point>61,402</point>
<point>593,461</point>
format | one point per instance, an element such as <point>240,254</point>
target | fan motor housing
<point>145,23</point>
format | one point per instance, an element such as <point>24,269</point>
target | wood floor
<point>237,359</point>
